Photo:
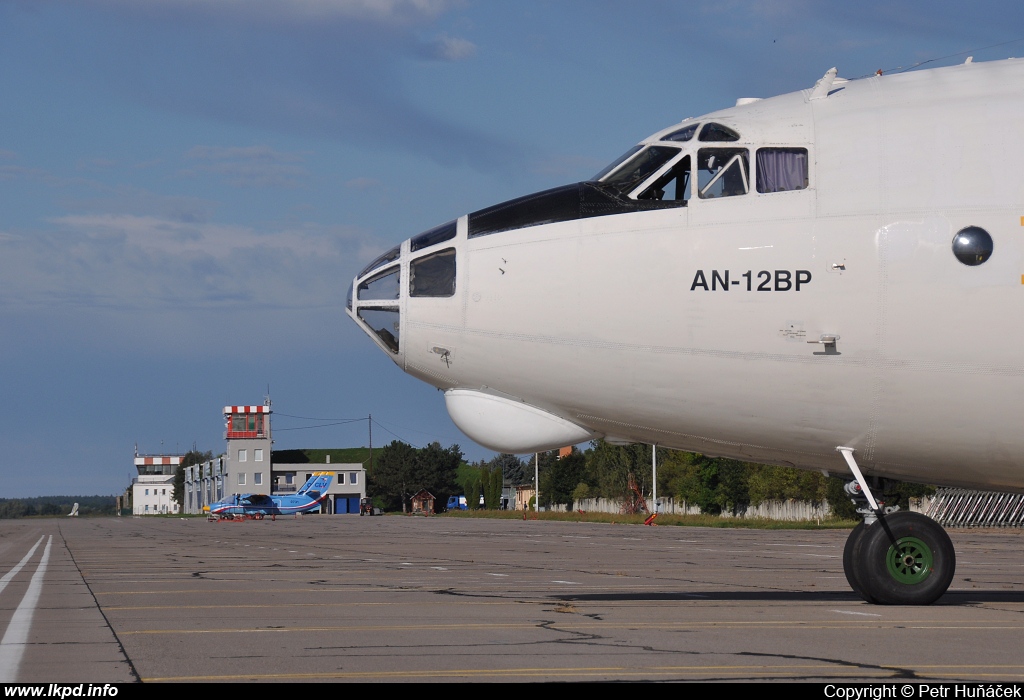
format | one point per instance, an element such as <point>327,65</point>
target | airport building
<point>152,491</point>
<point>250,465</point>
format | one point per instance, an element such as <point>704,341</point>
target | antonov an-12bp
<point>831,279</point>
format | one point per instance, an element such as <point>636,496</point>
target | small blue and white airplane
<point>255,506</point>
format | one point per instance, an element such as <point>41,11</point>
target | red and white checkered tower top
<point>247,422</point>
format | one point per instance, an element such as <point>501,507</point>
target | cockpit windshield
<point>616,163</point>
<point>642,166</point>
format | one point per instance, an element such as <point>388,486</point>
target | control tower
<point>153,488</point>
<point>247,467</point>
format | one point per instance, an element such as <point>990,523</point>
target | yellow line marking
<point>618,670</point>
<point>838,625</point>
<point>765,670</point>
<point>276,606</point>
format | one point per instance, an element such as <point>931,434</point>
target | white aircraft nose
<point>421,267</point>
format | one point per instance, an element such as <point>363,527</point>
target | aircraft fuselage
<point>800,290</point>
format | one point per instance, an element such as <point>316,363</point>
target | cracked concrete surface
<point>418,599</point>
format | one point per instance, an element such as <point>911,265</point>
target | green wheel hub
<point>909,561</point>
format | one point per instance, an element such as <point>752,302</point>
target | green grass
<point>662,520</point>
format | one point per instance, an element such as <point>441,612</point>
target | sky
<point>187,187</point>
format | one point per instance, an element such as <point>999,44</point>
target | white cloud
<point>126,262</point>
<point>391,12</point>
<point>124,199</point>
<point>249,166</point>
<point>249,153</point>
<point>17,172</point>
<point>363,183</point>
<point>448,48</point>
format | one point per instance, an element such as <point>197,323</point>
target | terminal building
<point>250,465</point>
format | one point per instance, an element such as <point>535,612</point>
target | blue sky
<point>188,186</point>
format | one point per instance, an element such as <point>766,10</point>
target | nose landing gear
<point>895,557</point>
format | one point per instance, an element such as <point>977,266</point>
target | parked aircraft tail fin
<point>318,483</point>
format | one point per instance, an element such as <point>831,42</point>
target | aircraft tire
<point>904,559</point>
<point>850,555</point>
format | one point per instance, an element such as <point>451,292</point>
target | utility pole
<point>654,468</point>
<point>536,482</point>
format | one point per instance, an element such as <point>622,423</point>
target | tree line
<point>713,484</point>
<point>56,505</point>
<point>400,471</point>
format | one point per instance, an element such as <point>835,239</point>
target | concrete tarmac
<point>349,598</point>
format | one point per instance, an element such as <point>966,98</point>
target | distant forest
<point>56,505</point>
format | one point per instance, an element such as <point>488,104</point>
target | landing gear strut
<point>895,557</point>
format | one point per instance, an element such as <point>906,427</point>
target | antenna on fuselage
<point>823,85</point>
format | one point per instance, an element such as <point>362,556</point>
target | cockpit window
<point>385,258</point>
<point>717,132</point>
<point>382,287</point>
<point>643,165</point>
<point>684,134</point>
<point>781,169</point>
<point>673,186</point>
<point>385,323</point>
<point>433,275</point>
<point>439,234</point>
<point>722,172</point>
<point>617,162</point>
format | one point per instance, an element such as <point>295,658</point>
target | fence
<point>963,508</point>
<point>949,507</point>
<point>771,510</point>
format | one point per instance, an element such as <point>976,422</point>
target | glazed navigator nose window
<point>385,323</point>
<point>380,287</point>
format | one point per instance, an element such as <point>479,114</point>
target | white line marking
<point>850,612</point>
<point>12,646</point>
<point>14,572</point>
